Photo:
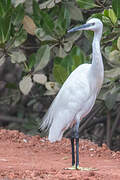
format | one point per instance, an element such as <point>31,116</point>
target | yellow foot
<point>81,168</point>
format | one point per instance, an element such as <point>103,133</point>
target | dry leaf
<point>52,86</point>
<point>40,78</point>
<point>118,43</point>
<point>49,4</point>
<point>26,84</point>
<point>17,56</point>
<point>29,25</point>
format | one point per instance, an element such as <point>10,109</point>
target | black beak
<point>82,27</point>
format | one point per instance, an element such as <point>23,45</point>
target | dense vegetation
<point>37,55</point>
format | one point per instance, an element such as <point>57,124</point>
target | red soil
<point>33,158</point>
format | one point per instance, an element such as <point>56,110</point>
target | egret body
<point>78,93</point>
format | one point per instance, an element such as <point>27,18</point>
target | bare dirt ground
<point>33,158</point>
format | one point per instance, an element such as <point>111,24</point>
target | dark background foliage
<point>37,55</point>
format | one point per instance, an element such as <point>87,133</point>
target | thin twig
<point>100,4</point>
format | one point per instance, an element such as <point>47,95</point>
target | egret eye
<point>93,23</point>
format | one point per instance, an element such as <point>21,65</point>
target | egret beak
<point>82,27</point>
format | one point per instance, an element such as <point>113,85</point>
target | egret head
<point>93,24</point>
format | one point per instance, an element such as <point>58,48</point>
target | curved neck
<point>97,69</point>
<point>96,53</point>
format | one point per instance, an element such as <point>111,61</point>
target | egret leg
<point>75,161</point>
<point>77,153</point>
<point>73,153</point>
<point>75,135</point>
<point>77,144</point>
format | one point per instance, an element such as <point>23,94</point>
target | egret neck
<point>97,69</point>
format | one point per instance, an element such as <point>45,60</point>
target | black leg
<point>75,135</point>
<point>73,153</point>
<point>75,161</point>
<point>77,144</point>
<point>77,153</point>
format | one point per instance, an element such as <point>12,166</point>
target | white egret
<point>78,93</point>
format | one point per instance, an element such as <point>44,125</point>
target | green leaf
<point>59,71</point>
<point>36,13</point>
<point>73,36</point>
<point>76,51</point>
<point>67,17</point>
<point>48,23</point>
<point>64,66</point>
<point>106,21</point>
<point>5,6</point>
<point>18,15</point>
<point>31,61</point>
<point>42,36</point>
<point>61,52</point>
<point>116,7</point>
<point>5,29</point>
<point>42,57</point>
<point>21,38</point>
<point>77,56</point>
<point>67,63</point>
<point>75,12</point>
<point>98,15</point>
<point>67,46</point>
<point>86,4</point>
<point>62,22</point>
<point>110,14</point>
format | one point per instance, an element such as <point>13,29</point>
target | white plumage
<point>78,94</point>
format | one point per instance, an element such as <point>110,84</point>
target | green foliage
<point>10,18</point>
<point>5,7</point>
<point>18,15</point>
<point>53,30</point>
<point>49,22</point>
<point>20,38</point>
<point>74,12</point>
<point>86,4</point>
<point>5,29</point>
<point>42,58</point>
<point>64,66</point>
<point>116,7</point>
